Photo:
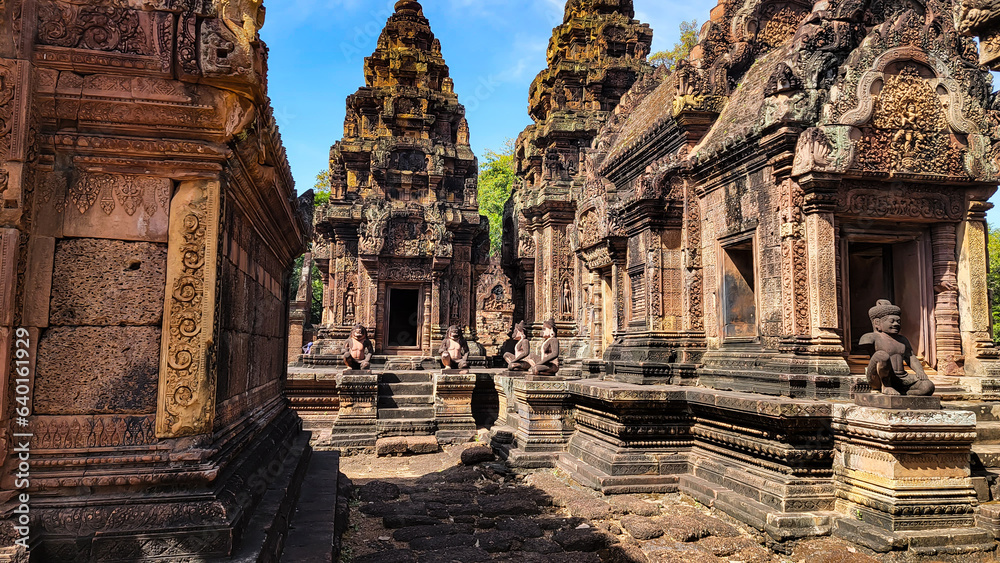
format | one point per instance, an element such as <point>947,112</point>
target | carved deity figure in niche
<point>454,349</point>
<point>890,352</point>
<point>908,133</point>
<point>349,304</point>
<point>358,349</point>
<point>517,360</point>
<point>456,306</point>
<point>566,299</point>
<point>547,362</point>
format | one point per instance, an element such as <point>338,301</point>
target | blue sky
<point>494,49</point>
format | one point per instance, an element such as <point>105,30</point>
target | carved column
<point>9,239</point>
<point>822,276</point>
<point>973,298</point>
<point>186,400</point>
<point>946,317</point>
<point>825,347</point>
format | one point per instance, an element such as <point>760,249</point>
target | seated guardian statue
<point>517,360</point>
<point>890,353</point>
<point>546,363</point>
<point>454,349</point>
<point>358,349</point>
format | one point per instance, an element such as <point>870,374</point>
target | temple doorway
<point>403,326</point>
<point>898,268</point>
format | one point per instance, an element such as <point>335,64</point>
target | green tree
<point>993,280</point>
<point>689,38</point>
<point>322,187</point>
<point>496,180</point>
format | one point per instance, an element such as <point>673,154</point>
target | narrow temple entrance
<point>403,320</point>
<point>897,268</point>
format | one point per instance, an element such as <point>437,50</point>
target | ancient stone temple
<point>742,223</point>
<point>594,57</point>
<point>148,224</point>
<point>404,240</point>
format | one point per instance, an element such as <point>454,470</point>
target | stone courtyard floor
<point>434,508</point>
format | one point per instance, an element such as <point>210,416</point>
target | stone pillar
<point>544,426</point>
<point>946,317</point>
<point>973,297</point>
<point>9,241</point>
<point>903,479</point>
<point>823,277</point>
<point>824,348</point>
<point>453,407</point>
<point>186,400</point>
<point>355,426</point>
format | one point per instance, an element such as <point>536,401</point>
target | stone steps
<point>986,455</point>
<point>406,427</point>
<point>402,401</point>
<point>407,389</point>
<point>985,411</point>
<point>988,433</point>
<point>406,412</point>
<point>406,377</point>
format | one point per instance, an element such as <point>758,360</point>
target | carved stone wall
<point>495,306</point>
<point>789,140</point>
<point>146,202</point>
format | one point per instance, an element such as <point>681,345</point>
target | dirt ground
<point>433,508</point>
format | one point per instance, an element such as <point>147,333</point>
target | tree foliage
<point>497,175</point>
<point>689,38</point>
<point>322,188</point>
<point>316,304</point>
<point>993,280</point>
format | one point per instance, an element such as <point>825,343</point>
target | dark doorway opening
<point>404,323</point>
<point>896,267</point>
<point>871,279</point>
<point>738,290</point>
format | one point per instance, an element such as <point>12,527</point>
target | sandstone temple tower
<point>403,238</point>
<point>594,57</point>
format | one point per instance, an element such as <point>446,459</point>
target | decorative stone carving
<point>186,404</point>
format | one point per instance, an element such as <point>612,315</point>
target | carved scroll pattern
<point>186,403</point>
<point>129,191</point>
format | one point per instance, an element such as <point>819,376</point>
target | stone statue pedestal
<point>897,402</point>
<point>539,418</point>
<point>453,406</point>
<point>902,478</point>
<point>355,426</point>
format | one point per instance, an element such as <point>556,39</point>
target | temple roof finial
<point>410,7</point>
